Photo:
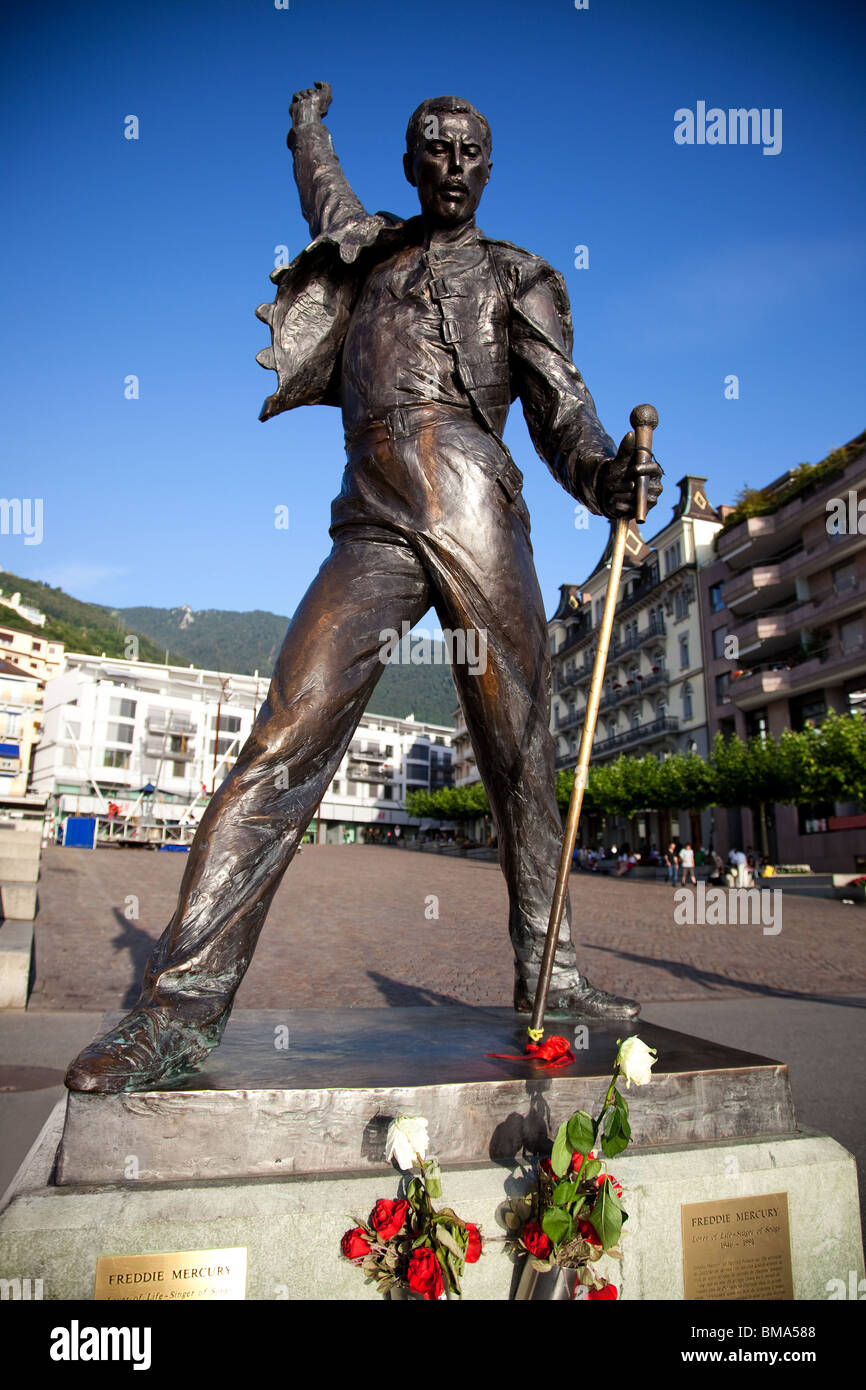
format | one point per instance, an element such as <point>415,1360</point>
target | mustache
<point>454,186</point>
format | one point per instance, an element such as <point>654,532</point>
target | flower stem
<point>606,1105</point>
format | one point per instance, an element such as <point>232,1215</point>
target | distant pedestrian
<point>739,866</point>
<point>687,864</point>
<point>671,862</point>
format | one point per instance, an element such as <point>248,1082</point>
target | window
<point>178,769</point>
<point>684,651</point>
<point>229,723</point>
<point>351,789</point>
<point>115,757</point>
<point>723,684</point>
<point>845,578</point>
<point>119,733</point>
<point>688,708</point>
<point>218,746</point>
<point>673,557</point>
<point>35,646</point>
<point>719,635</point>
<point>851,635</point>
<point>716,602</point>
<point>387,793</point>
<point>681,604</point>
<point>125,708</point>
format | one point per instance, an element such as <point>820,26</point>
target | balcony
<point>377,774</point>
<point>757,537</point>
<point>165,754</point>
<point>797,677</point>
<point>760,586</point>
<point>664,724</point>
<point>167,723</point>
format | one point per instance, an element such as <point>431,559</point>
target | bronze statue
<point>423,332</point>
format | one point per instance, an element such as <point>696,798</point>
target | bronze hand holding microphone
<point>643,420</point>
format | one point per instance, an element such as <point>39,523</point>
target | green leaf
<point>616,1134</point>
<point>433,1178</point>
<point>590,1170</point>
<point>581,1132</point>
<point>561,1157</point>
<point>444,1237</point>
<point>564,1193</point>
<point>606,1216</point>
<point>613,1146</point>
<point>415,1192</point>
<point>557,1225</point>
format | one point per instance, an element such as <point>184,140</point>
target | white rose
<point>635,1061</point>
<point>407,1136</point>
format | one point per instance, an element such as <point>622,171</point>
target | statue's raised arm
<point>327,201</point>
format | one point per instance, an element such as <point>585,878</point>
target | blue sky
<point>148,257</point>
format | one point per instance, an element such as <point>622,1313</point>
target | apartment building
<point>654,699</point>
<point>35,656</point>
<point>784,609</point>
<point>20,727</point>
<point>465,770</point>
<point>117,731</point>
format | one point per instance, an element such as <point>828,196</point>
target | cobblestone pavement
<point>357,926</point>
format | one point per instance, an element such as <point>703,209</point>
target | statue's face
<point>449,168</point>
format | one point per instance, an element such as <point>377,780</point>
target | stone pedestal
<point>280,1149</point>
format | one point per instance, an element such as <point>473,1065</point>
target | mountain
<point>221,640</point>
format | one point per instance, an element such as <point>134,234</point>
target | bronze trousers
<point>430,512</point>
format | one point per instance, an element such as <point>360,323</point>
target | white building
<point>116,731</point>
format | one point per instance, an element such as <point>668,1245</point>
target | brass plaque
<point>185,1276</point>
<point>738,1248</point>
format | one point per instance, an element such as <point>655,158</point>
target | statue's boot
<point>579,999</point>
<point>148,1045</point>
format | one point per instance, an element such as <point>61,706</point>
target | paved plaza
<point>359,926</point>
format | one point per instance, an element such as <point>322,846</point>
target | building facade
<point>784,609</point>
<point>654,699</point>
<point>118,732</point>
<point>20,727</point>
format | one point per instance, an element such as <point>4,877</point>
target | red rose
<point>587,1231</point>
<point>354,1244</point>
<point>387,1217</point>
<point>609,1291</point>
<point>536,1241</point>
<point>424,1274</point>
<point>473,1249</point>
<point>577,1161</point>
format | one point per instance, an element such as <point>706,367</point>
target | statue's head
<point>448,158</point>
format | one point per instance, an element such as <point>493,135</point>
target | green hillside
<point>221,640</point>
<point>83,627</point>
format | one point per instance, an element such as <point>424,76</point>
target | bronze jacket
<point>507,321</point>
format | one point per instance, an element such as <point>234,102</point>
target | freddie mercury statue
<point>423,332</point>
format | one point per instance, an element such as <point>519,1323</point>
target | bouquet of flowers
<point>406,1244</point>
<point>575,1214</point>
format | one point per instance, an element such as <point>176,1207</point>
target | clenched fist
<point>311,104</point>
